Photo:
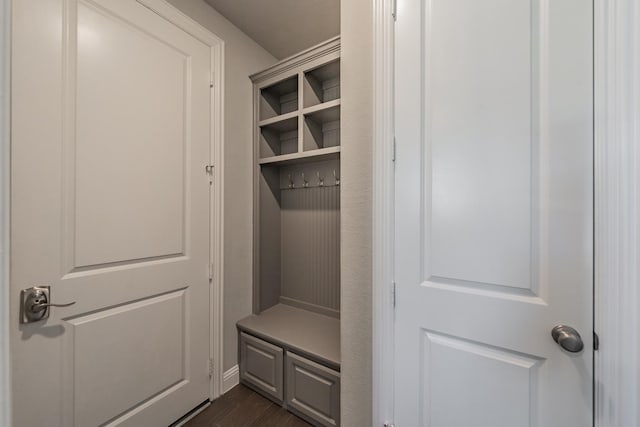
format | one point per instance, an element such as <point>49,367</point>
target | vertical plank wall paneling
<point>310,239</point>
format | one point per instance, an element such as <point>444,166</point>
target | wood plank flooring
<point>242,407</point>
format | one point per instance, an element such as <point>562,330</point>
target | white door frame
<point>216,315</point>
<point>617,212</point>
<point>5,109</point>
<point>616,205</point>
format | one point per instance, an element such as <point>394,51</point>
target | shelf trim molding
<point>278,119</point>
<point>310,155</point>
<point>300,59</point>
<point>321,107</point>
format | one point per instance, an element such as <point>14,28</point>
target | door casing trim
<point>383,213</point>
<point>216,315</point>
<point>5,174</point>
<point>616,210</point>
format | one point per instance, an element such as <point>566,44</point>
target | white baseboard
<point>230,379</point>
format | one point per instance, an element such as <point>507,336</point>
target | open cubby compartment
<point>322,129</point>
<point>279,138</point>
<point>299,236</point>
<point>322,84</point>
<point>279,98</point>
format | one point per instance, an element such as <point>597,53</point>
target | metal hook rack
<point>301,180</point>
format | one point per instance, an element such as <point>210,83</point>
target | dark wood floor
<point>242,407</point>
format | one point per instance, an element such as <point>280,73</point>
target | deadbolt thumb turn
<point>35,303</point>
<point>568,338</point>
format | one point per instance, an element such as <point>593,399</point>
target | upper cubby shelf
<point>279,135</point>
<point>322,126</point>
<point>328,153</point>
<point>297,111</point>
<point>281,122</point>
<point>279,98</point>
<point>322,84</point>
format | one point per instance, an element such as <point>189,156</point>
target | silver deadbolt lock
<point>35,303</point>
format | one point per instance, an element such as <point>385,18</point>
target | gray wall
<point>356,169</point>
<point>243,56</point>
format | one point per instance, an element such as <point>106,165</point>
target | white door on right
<point>494,214</point>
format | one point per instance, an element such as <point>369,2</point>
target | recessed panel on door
<point>471,384</point>
<point>482,132</point>
<point>129,145</point>
<point>144,340</point>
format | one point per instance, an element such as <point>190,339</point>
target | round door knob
<point>568,338</point>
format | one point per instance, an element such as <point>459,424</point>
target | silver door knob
<point>568,338</point>
<point>34,304</point>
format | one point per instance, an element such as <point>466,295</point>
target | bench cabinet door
<point>312,391</point>
<point>261,366</point>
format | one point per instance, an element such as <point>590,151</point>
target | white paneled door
<point>110,208</point>
<point>494,213</point>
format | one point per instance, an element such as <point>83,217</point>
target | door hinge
<point>393,294</point>
<point>389,424</point>
<point>596,341</point>
<point>209,171</point>
<point>213,79</point>
<point>210,271</point>
<point>394,10</point>
<point>393,150</point>
<point>210,367</point>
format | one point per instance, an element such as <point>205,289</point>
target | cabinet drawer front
<point>313,390</point>
<point>261,365</point>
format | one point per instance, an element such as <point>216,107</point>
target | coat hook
<point>306,183</point>
<point>291,185</point>
<point>337,178</point>
<point>320,180</point>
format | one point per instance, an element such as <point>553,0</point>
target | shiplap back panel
<point>310,254</point>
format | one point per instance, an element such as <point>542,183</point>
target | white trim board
<point>5,173</point>
<point>216,153</point>
<point>617,213</point>
<point>231,379</point>
<point>383,214</point>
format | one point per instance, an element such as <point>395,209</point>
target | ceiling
<point>283,27</point>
